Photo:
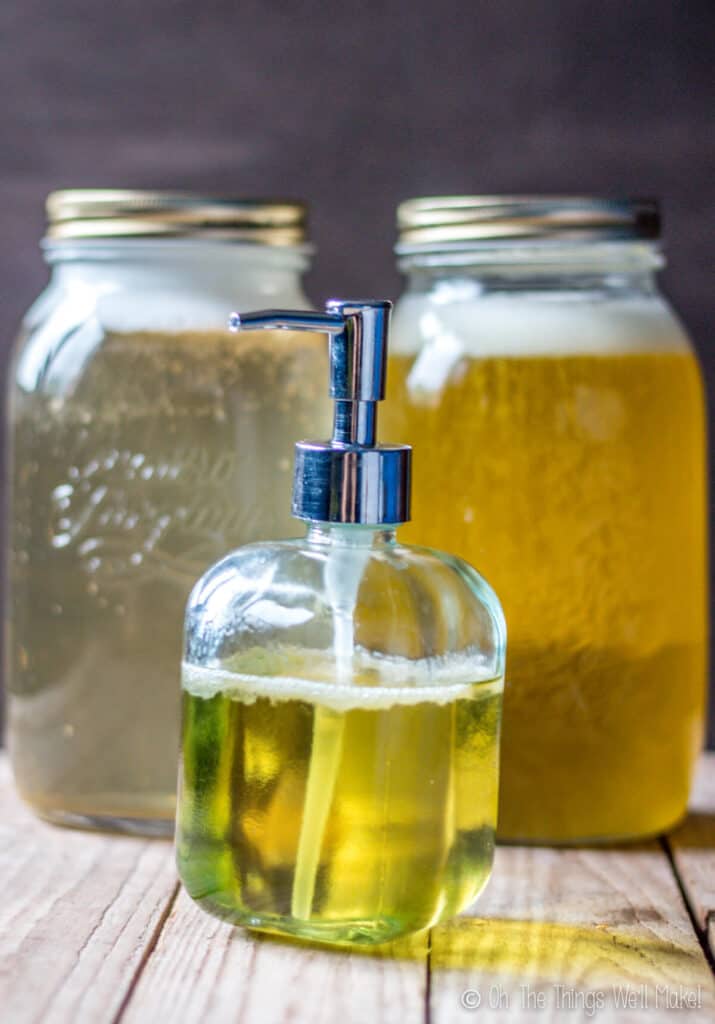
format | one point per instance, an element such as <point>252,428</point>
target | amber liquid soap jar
<point>146,440</point>
<point>557,406</point>
<point>342,695</point>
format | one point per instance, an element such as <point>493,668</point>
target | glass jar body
<point>557,414</point>
<point>146,440</point>
<point>342,701</point>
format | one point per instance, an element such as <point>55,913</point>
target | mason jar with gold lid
<point>556,410</point>
<point>146,442</point>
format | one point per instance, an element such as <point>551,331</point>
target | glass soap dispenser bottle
<point>341,694</point>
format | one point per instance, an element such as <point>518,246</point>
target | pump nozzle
<point>349,479</point>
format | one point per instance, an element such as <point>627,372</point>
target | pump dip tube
<point>341,693</point>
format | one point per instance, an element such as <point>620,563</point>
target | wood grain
<point>600,923</point>
<point>205,971</point>
<point>91,931</point>
<point>693,850</point>
<point>78,914</point>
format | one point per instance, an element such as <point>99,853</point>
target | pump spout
<point>287,320</point>
<point>350,478</point>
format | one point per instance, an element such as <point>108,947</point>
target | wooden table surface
<point>95,928</point>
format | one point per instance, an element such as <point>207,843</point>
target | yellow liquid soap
<point>339,811</point>
<point>577,489</point>
<point>171,450</point>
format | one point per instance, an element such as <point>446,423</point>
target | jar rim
<point>436,223</point>
<point>191,252</point>
<point>563,257</point>
<point>143,213</point>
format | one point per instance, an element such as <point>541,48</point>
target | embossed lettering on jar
<point>147,441</point>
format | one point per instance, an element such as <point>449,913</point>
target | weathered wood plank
<point>77,915</point>
<point>693,849</point>
<point>203,971</point>
<point>603,924</point>
<point>84,936</point>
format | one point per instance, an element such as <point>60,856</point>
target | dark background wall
<point>355,106</point>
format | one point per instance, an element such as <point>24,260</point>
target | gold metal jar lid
<point>130,213</point>
<point>440,221</point>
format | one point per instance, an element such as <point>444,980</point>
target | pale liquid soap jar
<point>342,694</point>
<point>558,409</point>
<point>147,440</point>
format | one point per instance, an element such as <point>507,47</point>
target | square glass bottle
<point>342,694</point>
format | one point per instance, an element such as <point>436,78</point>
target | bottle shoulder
<point>263,560</point>
<point>405,600</point>
<point>467,573</point>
